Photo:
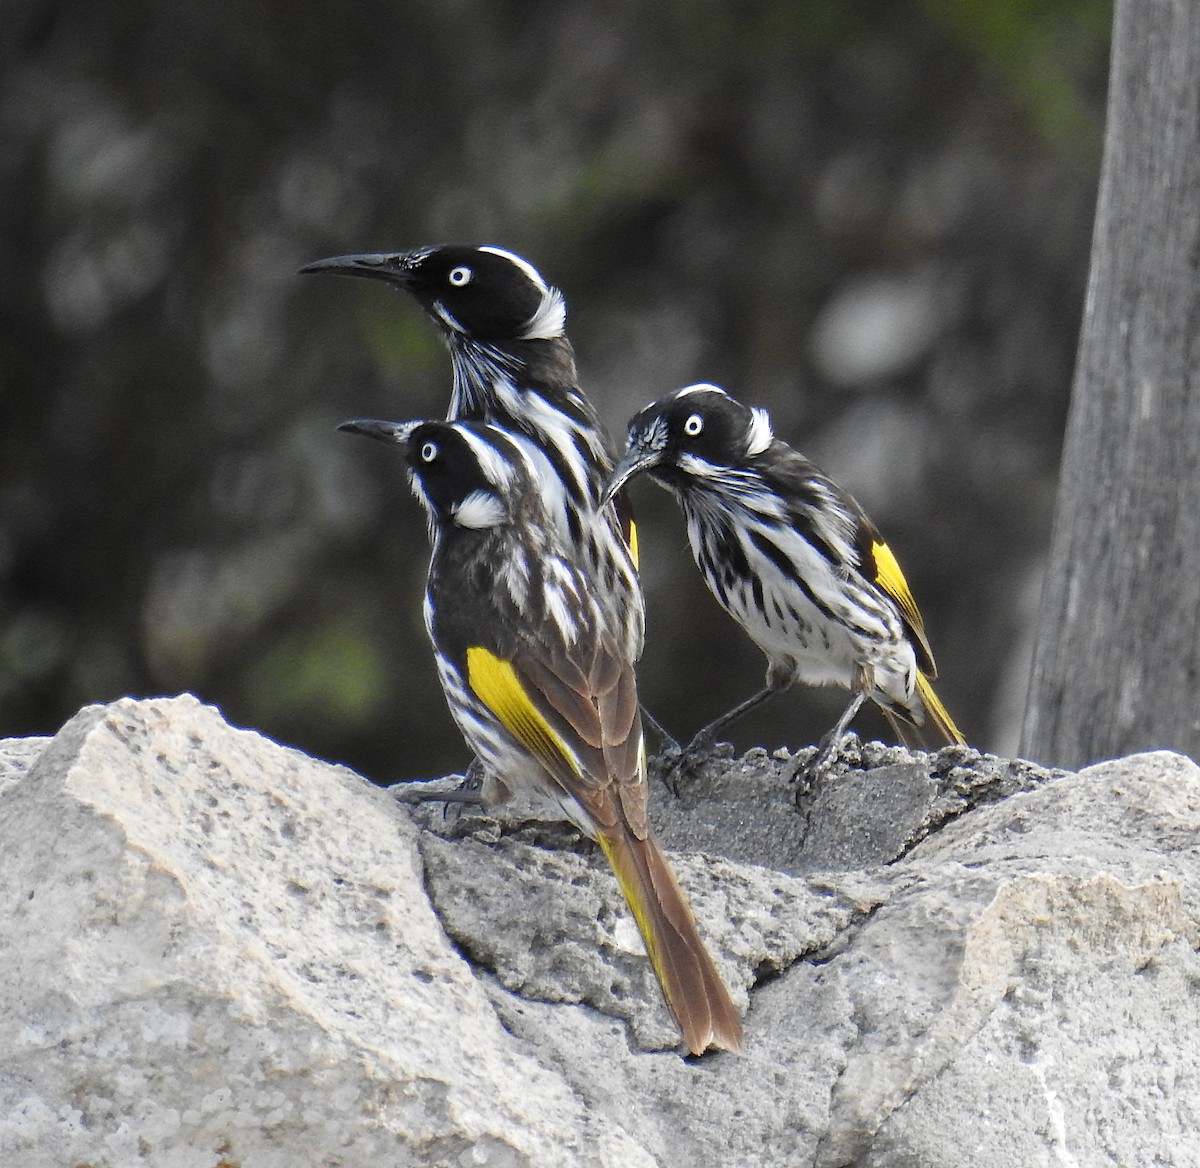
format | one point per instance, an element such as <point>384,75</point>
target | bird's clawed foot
<point>675,763</point>
<point>830,746</point>
<point>825,756</point>
<point>469,791</point>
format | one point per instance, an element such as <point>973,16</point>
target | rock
<point>218,951</point>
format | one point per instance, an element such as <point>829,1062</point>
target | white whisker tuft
<point>480,509</point>
<point>550,320</point>
<point>446,318</point>
<point>760,435</point>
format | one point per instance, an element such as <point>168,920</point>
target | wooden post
<point>1117,663</point>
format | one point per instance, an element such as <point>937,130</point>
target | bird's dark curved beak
<point>394,267</point>
<point>385,431</point>
<point>634,461</point>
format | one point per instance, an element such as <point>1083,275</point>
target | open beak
<point>394,267</point>
<point>634,461</point>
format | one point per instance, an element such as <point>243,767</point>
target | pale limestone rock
<point>215,948</point>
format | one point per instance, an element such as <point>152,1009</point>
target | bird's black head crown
<point>482,292</point>
<point>688,435</point>
<point>471,474</point>
<point>701,421</point>
<point>466,473</point>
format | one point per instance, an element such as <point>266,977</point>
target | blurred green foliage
<point>872,217</point>
<point>1045,50</point>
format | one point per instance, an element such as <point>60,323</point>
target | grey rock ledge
<point>219,951</point>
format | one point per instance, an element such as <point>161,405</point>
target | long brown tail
<point>936,731</point>
<point>693,988</point>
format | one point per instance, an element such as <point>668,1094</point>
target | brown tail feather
<point>691,985</point>
<point>936,731</point>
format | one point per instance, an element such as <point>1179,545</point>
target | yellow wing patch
<point>496,684</point>
<point>889,577</point>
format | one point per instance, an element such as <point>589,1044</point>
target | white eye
<point>460,277</point>
<point>693,425</point>
<point>429,452</point>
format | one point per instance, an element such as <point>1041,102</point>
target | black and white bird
<point>794,560</point>
<point>537,665</point>
<point>505,328</point>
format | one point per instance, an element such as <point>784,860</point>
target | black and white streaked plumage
<point>513,365</point>
<point>793,559</point>
<point>538,670</point>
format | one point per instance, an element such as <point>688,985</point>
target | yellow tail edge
<point>936,731</point>
<point>691,985</point>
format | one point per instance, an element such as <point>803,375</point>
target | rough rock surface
<point>219,952</point>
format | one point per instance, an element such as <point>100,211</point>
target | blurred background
<point>871,216</point>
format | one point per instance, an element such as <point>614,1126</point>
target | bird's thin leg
<point>408,793</point>
<point>666,743</point>
<point>679,761</point>
<point>704,739</point>
<point>470,791</point>
<point>830,744</point>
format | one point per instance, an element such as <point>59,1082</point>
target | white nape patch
<point>700,387</point>
<point>760,435</point>
<point>446,318</point>
<point>550,320</point>
<point>551,317</point>
<point>518,262</point>
<point>480,509</point>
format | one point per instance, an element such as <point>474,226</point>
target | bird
<point>537,666</point>
<point>512,363</point>
<point>794,560</point>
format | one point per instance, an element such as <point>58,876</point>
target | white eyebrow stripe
<point>524,265</point>
<point>550,319</point>
<point>492,461</point>
<point>700,387</point>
